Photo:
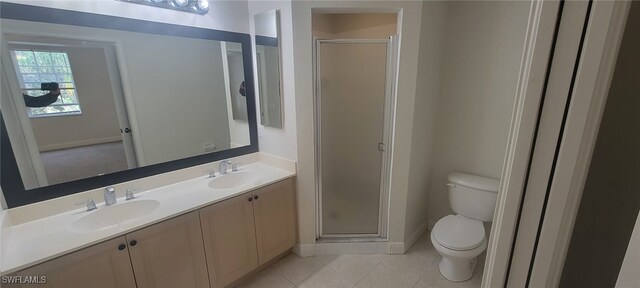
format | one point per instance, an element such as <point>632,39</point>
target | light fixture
<point>180,3</point>
<point>192,6</point>
<point>202,5</point>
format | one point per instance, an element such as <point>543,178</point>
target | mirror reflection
<point>80,102</point>
<point>267,30</point>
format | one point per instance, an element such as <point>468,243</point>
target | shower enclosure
<point>354,111</point>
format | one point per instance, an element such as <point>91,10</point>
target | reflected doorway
<point>85,132</point>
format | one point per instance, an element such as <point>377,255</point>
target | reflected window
<point>37,67</point>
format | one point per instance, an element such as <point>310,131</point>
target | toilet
<point>461,238</point>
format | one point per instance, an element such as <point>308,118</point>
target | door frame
<point>387,138</point>
<point>19,127</point>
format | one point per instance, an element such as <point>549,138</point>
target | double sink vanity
<point>201,232</point>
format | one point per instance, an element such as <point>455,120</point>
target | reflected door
<point>352,85</point>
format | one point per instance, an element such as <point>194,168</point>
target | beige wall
<point>355,26</point>
<point>98,122</point>
<point>409,14</point>
<point>428,91</point>
<point>611,196</point>
<point>483,50</point>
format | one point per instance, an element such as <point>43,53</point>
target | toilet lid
<point>457,232</point>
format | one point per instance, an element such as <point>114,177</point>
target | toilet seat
<point>459,233</point>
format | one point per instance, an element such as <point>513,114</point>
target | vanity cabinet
<point>247,231</point>
<point>169,254</point>
<point>212,247</point>
<point>229,237</point>
<point>103,265</point>
<point>274,210</point>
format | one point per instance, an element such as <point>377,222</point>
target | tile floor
<point>416,269</point>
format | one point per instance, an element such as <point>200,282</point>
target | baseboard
<point>416,235</point>
<point>338,248</point>
<point>305,250</point>
<point>372,247</point>
<point>431,224</point>
<point>73,144</point>
<point>395,248</point>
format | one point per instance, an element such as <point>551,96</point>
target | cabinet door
<point>169,254</point>
<point>103,265</point>
<point>275,216</point>
<point>229,239</point>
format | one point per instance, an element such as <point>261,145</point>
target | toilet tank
<point>473,196</point>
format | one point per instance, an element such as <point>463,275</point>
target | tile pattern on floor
<point>418,268</point>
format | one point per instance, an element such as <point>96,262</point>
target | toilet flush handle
<point>451,185</point>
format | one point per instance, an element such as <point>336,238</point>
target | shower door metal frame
<point>387,137</point>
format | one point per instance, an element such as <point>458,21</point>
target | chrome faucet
<point>90,204</point>
<point>222,169</point>
<point>110,195</point>
<point>129,194</point>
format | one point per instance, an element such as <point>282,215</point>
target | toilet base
<point>457,269</point>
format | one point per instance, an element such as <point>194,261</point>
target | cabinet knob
<point>133,242</point>
<point>250,199</point>
<point>122,246</point>
<point>255,197</point>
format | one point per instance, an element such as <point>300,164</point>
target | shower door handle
<point>381,147</point>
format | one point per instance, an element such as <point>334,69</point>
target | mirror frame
<point>11,182</point>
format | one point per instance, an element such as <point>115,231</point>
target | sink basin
<point>110,216</point>
<point>234,180</point>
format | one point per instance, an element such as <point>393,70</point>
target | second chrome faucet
<point>222,169</point>
<point>110,195</point>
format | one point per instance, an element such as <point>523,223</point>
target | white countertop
<point>34,242</point>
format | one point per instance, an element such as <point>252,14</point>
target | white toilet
<point>461,238</point>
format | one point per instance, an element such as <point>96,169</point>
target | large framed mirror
<point>91,100</point>
<point>269,66</point>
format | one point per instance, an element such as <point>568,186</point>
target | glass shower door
<point>352,77</point>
